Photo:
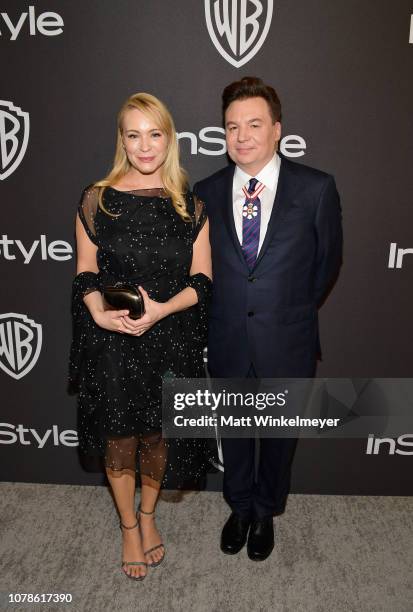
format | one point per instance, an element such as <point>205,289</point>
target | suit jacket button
<point>250,314</point>
<point>251,279</point>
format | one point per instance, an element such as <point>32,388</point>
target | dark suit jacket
<point>269,317</point>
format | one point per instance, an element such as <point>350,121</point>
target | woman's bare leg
<point>153,456</point>
<point>123,482</point>
<point>150,534</point>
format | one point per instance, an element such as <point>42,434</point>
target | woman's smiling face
<point>146,146</point>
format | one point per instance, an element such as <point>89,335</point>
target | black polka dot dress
<point>142,240</point>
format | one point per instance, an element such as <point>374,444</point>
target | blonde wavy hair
<point>174,178</point>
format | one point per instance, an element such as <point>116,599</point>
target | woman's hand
<point>112,320</point>
<point>154,311</point>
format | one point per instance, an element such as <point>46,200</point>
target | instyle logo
<point>20,344</point>
<point>47,24</point>
<point>390,445</point>
<point>396,255</point>
<point>58,250</point>
<point>214,137</point>
<point>14,137</point>
<point>26,436</point>
<point>238,28</point>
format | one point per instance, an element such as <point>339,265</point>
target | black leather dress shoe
<point>261,539</point>
<point>234,534</point>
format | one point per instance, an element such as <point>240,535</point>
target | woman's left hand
<point>154,311</point>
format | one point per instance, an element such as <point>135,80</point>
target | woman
<point>139,225</point>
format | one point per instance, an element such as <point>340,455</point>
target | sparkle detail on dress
<point>118,377</point>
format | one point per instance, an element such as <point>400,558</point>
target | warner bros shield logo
<point>238,28</point>
<point>20,344</point>
<point>14,136</point>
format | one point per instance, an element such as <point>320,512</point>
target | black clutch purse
<point>122,296</point>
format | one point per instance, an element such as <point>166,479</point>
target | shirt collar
<point>268,175</point>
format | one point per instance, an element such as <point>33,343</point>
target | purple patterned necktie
<point>251,220</point>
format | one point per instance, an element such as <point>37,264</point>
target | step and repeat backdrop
<point>343,71</point>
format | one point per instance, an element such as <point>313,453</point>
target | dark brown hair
<point>252,87</point>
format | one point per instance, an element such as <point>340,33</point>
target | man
<point>275,231</point>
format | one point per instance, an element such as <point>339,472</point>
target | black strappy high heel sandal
<point>122,526</point>
<point>161,545</point>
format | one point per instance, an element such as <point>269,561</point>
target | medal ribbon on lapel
<point>251,221</point>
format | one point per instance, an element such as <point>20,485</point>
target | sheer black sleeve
<point>200,216</point>
<point>200,282</point>
<point>87,210</point>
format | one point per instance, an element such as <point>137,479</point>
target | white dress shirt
<point>269,177</point>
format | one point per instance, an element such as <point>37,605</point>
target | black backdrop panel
<point>343,72</point>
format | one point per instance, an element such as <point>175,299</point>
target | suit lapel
<point>282,202</point>
<point>228,214</point>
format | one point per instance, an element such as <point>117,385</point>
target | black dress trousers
<point>257,473</point>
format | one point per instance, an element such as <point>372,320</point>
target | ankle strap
<point>126,527</point>
<point>143,511</point>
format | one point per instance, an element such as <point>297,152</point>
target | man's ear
<point>277,131</point>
